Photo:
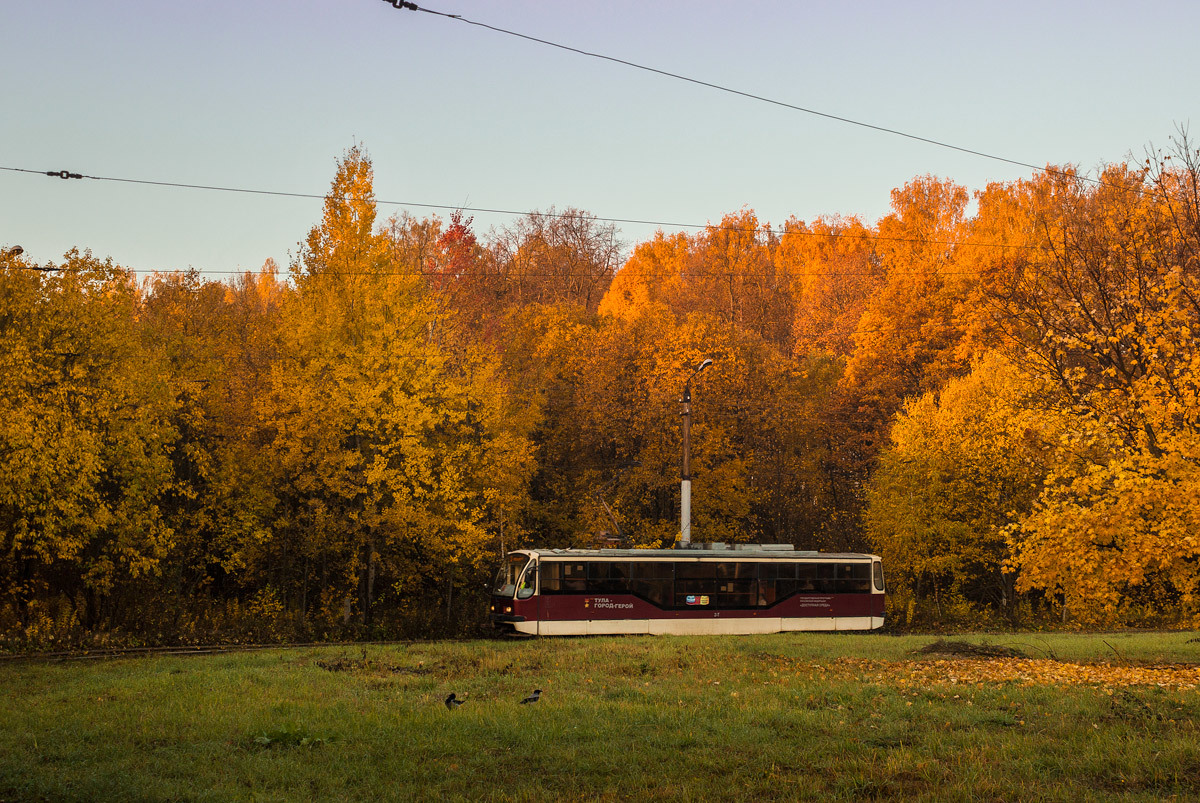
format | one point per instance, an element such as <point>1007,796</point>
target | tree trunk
<point>366,582</point>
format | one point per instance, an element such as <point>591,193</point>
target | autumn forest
<point>998,392</point>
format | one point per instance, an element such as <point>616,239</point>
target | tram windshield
<point>506,578</point>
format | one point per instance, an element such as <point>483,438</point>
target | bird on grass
<point>453,702</point>
<point>533,698</point>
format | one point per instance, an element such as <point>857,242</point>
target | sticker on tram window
<point>693,599</point>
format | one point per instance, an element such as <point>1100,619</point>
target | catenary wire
<point>719,227</point>
<point>488,210</point>
<point>749,95</point>
<point>403,4</point>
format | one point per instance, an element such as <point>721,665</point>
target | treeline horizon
<point>1005,405</point>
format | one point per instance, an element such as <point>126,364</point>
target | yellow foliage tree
<point>962,465</point>
<point>218,341</point>
<point>85,436</point>
<point>393,448</point>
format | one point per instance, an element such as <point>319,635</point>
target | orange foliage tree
<point>833,273</point>
<point>1105,308</point>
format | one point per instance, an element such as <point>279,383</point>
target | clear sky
<point>267,94</point>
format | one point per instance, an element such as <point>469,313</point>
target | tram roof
<point>710,551</point>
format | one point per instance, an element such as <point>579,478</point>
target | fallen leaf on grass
<point>1027,671</point>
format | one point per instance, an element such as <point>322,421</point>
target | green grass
<point>784,717</point>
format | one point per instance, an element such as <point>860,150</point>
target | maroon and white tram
<point>707,588</point>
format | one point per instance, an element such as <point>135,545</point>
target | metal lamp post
<point>685,484</point>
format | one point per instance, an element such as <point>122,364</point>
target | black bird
<point>533,698</point>
<point>452,702</point>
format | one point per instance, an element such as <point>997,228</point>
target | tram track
<point>103,653</point>
<point>112,653</point>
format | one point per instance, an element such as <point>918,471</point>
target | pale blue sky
<point>266,94</point>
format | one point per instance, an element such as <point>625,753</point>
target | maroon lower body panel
<point>569,607</point>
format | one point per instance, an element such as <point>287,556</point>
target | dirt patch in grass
<point>967,649</point>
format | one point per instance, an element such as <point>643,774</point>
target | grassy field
<point>783,717</point>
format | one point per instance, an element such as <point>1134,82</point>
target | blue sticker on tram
<point>691,600</point>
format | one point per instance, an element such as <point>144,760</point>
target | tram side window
<point>695,585</point>
<point>695,570</point>
<point>807,581</point>
<point>737,584</point>
<point>826,580</point>
<point>710,584</point>
<point>772,571</point>
<point>563,578</point>
<point>652,581</point>
<point>854,578</point>
<point>551,577</point>
<point>652,570</point>
<point>768,582</point>
<point>574,578</point>
<point>608,578</point>
<point>738,592</point>
<point>737,570</point>
<point>782,577</point>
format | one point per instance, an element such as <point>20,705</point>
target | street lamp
<point>685,484</point>
<point>15,251</point>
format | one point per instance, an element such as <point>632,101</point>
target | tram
<point>699,589</point>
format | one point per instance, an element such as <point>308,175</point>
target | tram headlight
<point>508,609</point>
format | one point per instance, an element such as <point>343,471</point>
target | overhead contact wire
<point>516,213</point>
<point>399,4</point>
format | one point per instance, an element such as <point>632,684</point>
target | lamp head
<point>707,362</point>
